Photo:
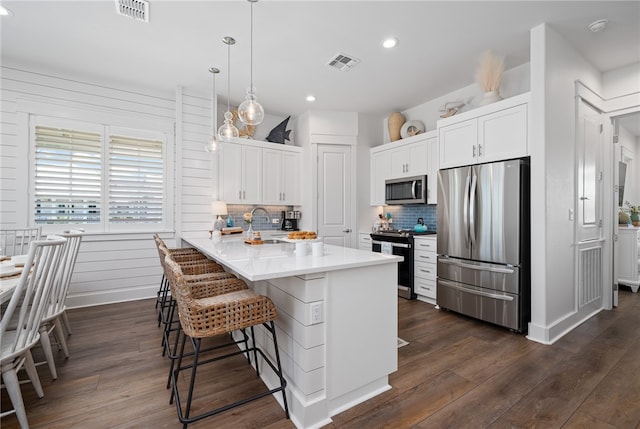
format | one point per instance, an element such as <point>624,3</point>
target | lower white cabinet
<point>424,268</point>
<point>629,257</point>
<point>364,241</point>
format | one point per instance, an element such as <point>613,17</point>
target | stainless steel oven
<point>407,190</point>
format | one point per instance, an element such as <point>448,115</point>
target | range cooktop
<point>401,233</point>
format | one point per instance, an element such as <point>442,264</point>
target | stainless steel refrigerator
<point>483,242</point>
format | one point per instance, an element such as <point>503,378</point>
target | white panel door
<point>589,158</point>
<point>252,175</point>
<point>458,144</point>
<point>290,178</point>
<point>231,173</point>
<point>334,194</point>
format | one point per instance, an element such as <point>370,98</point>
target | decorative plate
<point>411,128</point>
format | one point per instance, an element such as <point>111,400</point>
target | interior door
<point>589,156</point>
<point>334,194</point>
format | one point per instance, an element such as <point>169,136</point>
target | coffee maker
<point>290,220</point>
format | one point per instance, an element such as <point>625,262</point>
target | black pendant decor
<point>280,133</point>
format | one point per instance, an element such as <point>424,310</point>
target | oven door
<point>405,267</point>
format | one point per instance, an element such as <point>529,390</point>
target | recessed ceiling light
<point>311,98</point>
<point>598,25</point>
<point>391,42</point>
<point>4,11</point>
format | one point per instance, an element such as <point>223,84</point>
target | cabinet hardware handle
<point>346,230</point>
<point>479,150</point>
<point>239,195</point>
<point>244,195</point>
<point>474,151</point>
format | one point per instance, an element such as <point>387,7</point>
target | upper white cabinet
<point>280,177</point>
<point>412,156</point>
<point>409,160</point>
<point>253,172</point>
<point>490,133</point>
<point>241,174</point>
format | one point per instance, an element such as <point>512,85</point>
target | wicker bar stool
<point>194,265</point>
<point>164,287</point>
<point>202,284</point>
<point>205,317</point>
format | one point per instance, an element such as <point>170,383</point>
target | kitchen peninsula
<point>337,320</point>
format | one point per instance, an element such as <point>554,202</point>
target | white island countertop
<point>270,261</point>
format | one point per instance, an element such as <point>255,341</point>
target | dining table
<point>8,281</point>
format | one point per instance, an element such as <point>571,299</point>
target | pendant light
<point>212,145</point>
<point>250,111</point>
<point>227,129</point>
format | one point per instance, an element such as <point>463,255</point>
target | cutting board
<point>254,241</point>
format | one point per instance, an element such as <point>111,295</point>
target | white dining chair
<point>16,241</point>
<point>53,318</point>
<point>27,306</point>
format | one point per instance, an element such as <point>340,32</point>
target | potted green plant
<point>634,213</point>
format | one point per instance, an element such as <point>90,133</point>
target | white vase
<point>490,97</point>
<point>249,233</point>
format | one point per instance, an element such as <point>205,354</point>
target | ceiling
<point>440,44</point>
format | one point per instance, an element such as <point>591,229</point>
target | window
<point>98,177</point>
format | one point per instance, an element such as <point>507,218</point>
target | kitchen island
<point>337,320</point>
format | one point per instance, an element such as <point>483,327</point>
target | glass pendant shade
<point>250,111</point>
<point>212,145</point>
<point>227,129</point>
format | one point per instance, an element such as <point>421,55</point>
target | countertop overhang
<point>270,261</point>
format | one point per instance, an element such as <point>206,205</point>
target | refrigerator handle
<point>472,211</point>
<point>465,215</point>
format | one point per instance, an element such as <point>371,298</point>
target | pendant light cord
<point>214,107</point>
<point>228,77</point>
<point>251,59</point>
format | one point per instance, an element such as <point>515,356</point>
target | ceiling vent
<point>136,9</point>
<point>343,62</point>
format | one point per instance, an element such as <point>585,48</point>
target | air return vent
<point>343,62</point>
<point>136,9</point>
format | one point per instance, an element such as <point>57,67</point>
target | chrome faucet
<point>264,210</point>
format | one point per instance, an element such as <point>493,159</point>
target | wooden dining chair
<point>16,241</point>
<point>53,318</point>
<point>28,304</point>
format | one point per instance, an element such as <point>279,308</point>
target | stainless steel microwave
<point>406,190</point>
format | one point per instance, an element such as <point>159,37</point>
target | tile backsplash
<point>260,221</point>
<point>405,217</point>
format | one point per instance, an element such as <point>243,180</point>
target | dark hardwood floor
<point>455,373</point>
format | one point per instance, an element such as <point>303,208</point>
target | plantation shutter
<point>67,176</point>
<point>135,180</point>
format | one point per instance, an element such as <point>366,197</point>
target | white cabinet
<point>364,241</point>
<point>491,133</point>
<point>241,174</point>
<point>280,177</point>
<point>424,268</point>
<point>629,257</point>
<point>253,172</point>
<point>413,156</point>
<point>380,171</point>
<point>409,160</point>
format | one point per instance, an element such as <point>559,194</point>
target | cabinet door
<point>503,134</point>
<point>272,172</point>
<point>252,175</point>
<point>432,170</point>
<point>380,171</point>
<point>291,179</point>
<point>230,162</point>
<point>399,162</point>
<point>457,143</point>
<point>417,158</point>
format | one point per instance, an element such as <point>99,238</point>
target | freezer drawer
<point>500,278</point>
<point>491,306</point>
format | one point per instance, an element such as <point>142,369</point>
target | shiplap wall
<point>110,267</point>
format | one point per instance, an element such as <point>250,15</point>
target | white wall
<point>368,137</point>
<point>557,67</point>
<point>109,268</point>
<point>622,81</point>
<point>515,81</point>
